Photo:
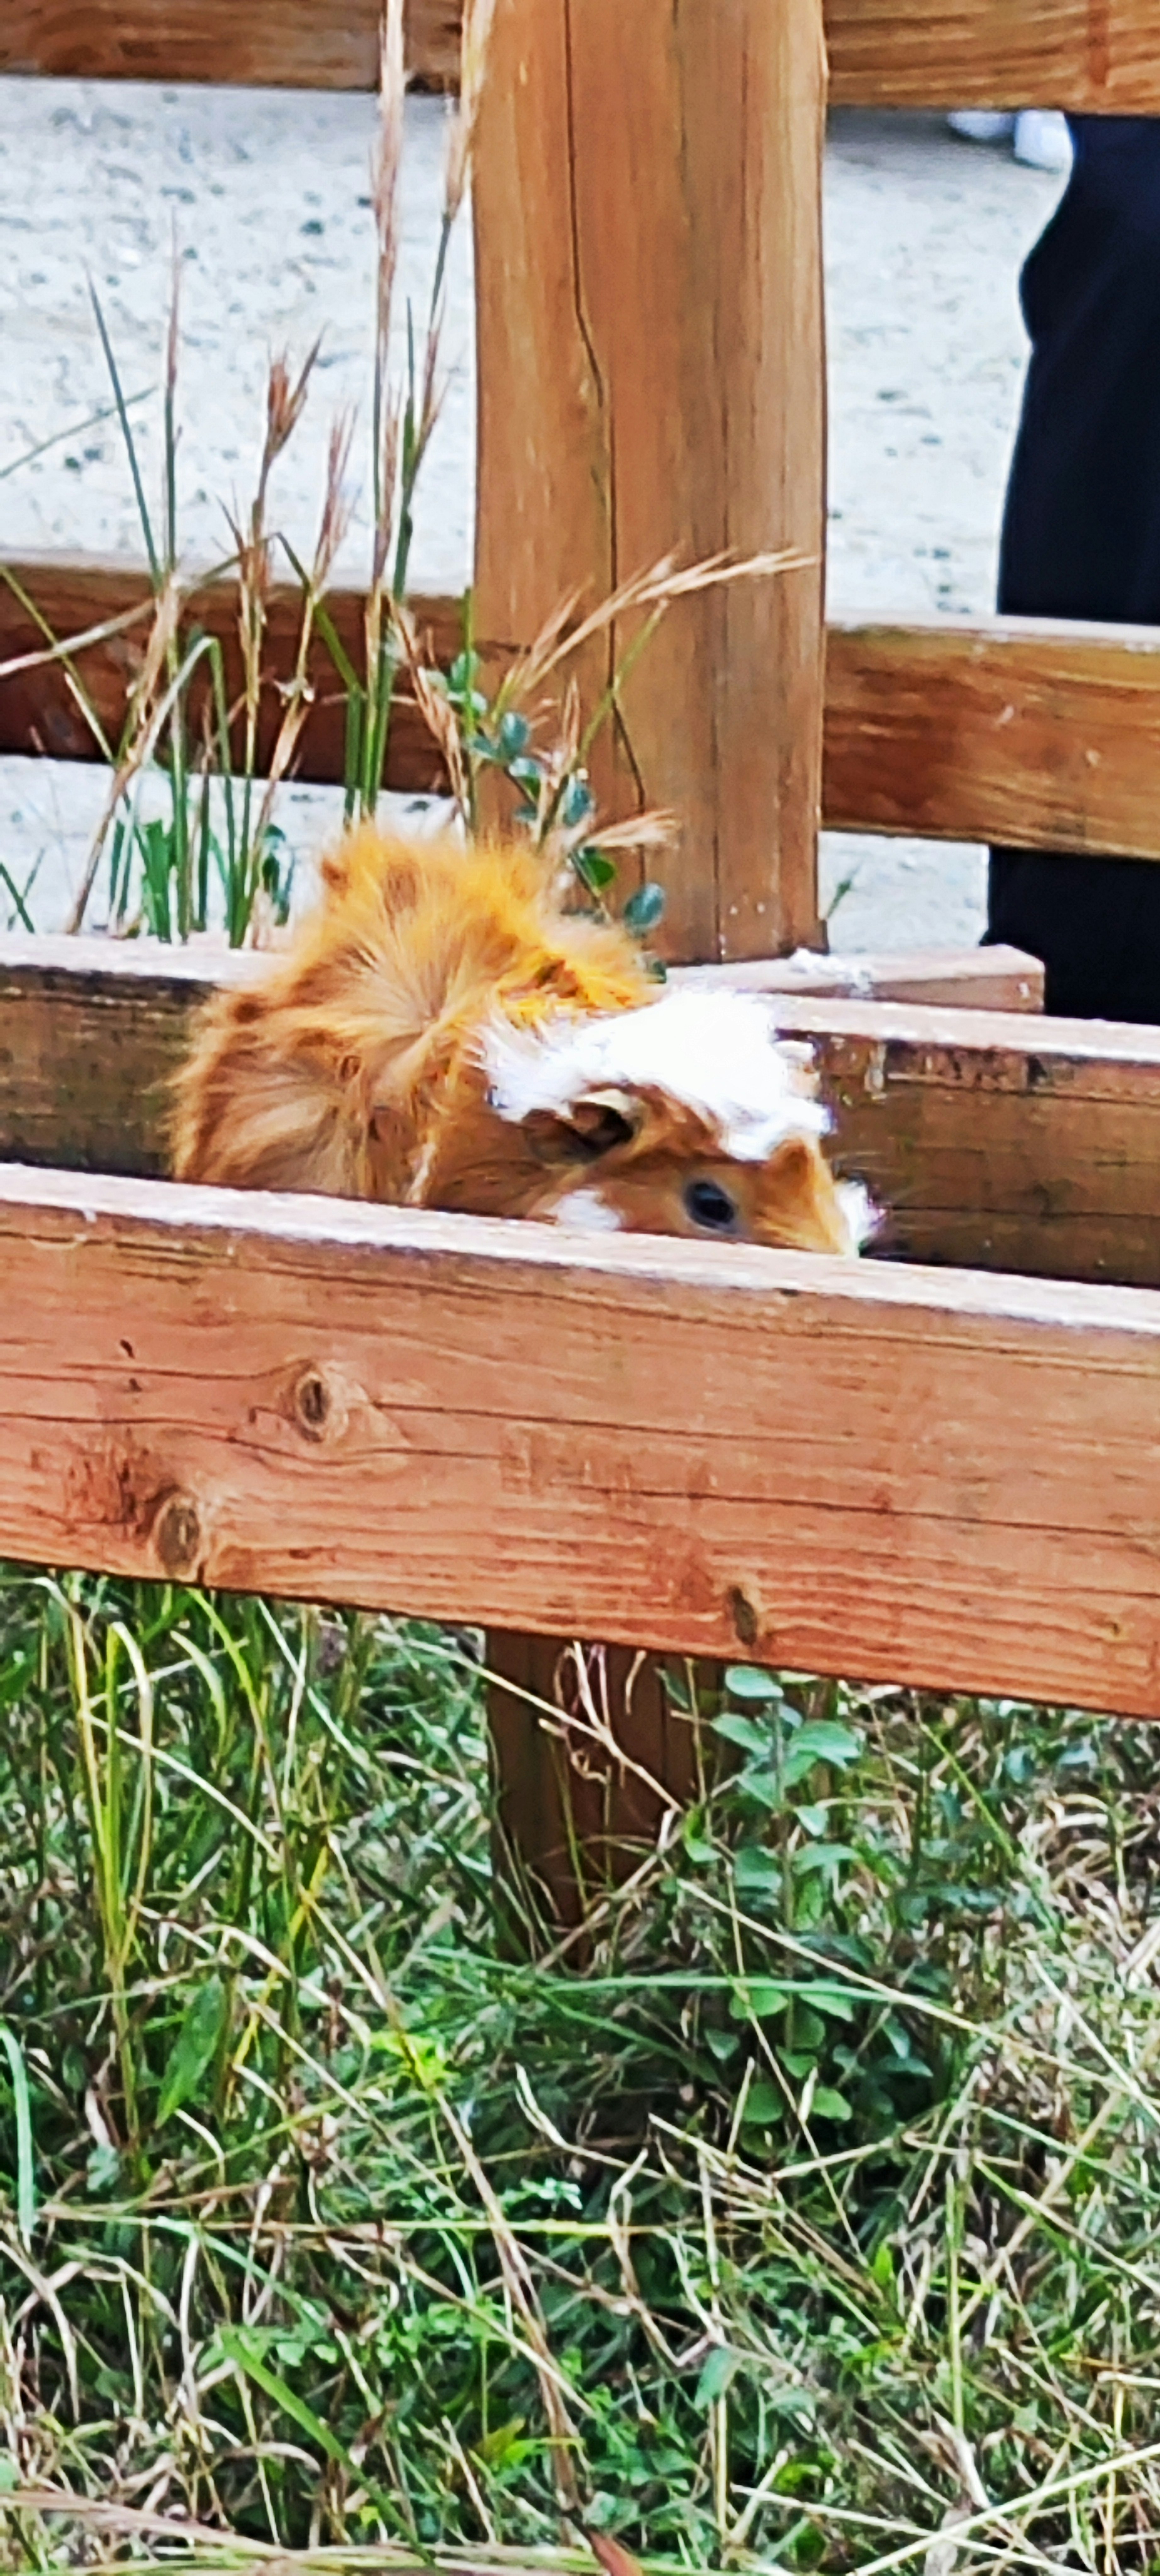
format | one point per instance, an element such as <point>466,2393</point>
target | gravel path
<point>267,196</point>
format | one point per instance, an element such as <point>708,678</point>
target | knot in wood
<point>318,1407</point>
<point>746,1624</point>
<point>177,1535</point>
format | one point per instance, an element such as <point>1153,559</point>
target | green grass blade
<point>239,2347</point>
<point>25,2169</point>
<point>122,411</point>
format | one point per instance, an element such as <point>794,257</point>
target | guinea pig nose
<point>711,1207</point>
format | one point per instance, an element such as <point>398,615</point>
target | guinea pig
<point>444,1033</point>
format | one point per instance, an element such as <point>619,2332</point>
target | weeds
<point>815,2211</point>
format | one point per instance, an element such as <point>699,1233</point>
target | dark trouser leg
<point>1094,922</point>
<point>1081,534</point>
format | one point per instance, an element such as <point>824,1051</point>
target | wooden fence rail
<point>1003,1141</point>
<point>899,1473</point>
<point>980,729</point>
<point>1085,54</point>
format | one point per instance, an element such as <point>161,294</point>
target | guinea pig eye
<point>711,1207</point>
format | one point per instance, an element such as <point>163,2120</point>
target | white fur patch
<point>860,1213</point>
<point>714,1051</point>
<point>588,1211</point>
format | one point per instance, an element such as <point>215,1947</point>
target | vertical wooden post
<point>651,381</point>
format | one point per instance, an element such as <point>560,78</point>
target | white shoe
<point>1042,139</point>
<point>981,125</point>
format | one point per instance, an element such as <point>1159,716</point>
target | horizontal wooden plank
<point>998,1142</point>
<point>77,594</point>
<point>1093,54</point>
<point>922,1476</point>
<point>272,44</point>
<point>1010,728</point>
<point>996,1139</point>
<point>91,1033</point>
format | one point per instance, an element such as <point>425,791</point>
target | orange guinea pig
<point>441,1033</point>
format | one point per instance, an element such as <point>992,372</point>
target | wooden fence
<point>940,1469</point>
<point>1084,54</point>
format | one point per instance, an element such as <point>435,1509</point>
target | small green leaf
<point>763,2103</point>
<point>745,1681</point>
<point>576,805</point>
<point>821,1740</point>
<point>822,1856</point>
<point>828,1999</point>
<point>717,2374</point>
<point>644,909</point>
<point>756,1872</point>
<point>828,2105</point>
<point>502,2443</point>
<point>759,1997</point>
<point>763,1785</point>
<point>425,2060</point>
<point>193,2049</point>
<point>743,1731</point>
<point>882,2267</point>
<point>595,871</point>
<point>514,735</point>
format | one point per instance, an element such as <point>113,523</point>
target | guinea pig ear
<point>585,1130</point>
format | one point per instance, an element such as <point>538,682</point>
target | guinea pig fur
<point>442,1033</point>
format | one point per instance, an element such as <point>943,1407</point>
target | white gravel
<point>267,196</point>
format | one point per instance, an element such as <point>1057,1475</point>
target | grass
<point>816,2205</point>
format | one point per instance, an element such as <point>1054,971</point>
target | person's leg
<point>1094,922</point>
<point>1081,534</point>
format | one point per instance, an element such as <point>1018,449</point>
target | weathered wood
<point>77,594</point>
<point>1009,729</point>
<point>1005,728</point>
<point>993,53</point>
<point>648,275</point>
<point>574,1816</point>
<point>1002,1143</point>
<point>1003,1139</point>
<point>964,979</point>
<point>272,44</point>
<point>1097,55</point>
<point>927,1476</point>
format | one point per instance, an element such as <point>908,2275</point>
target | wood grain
<point>1002,1143</point>
<point>273,44</point>
<point>1004,728</point>
<point>1096,55</point>
<point>929,1477</point>
<point>1009,729</point>
<point>91,1033</point>
<point>77,594</point>
<point>648,274</point>
<point>1089,54</point>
